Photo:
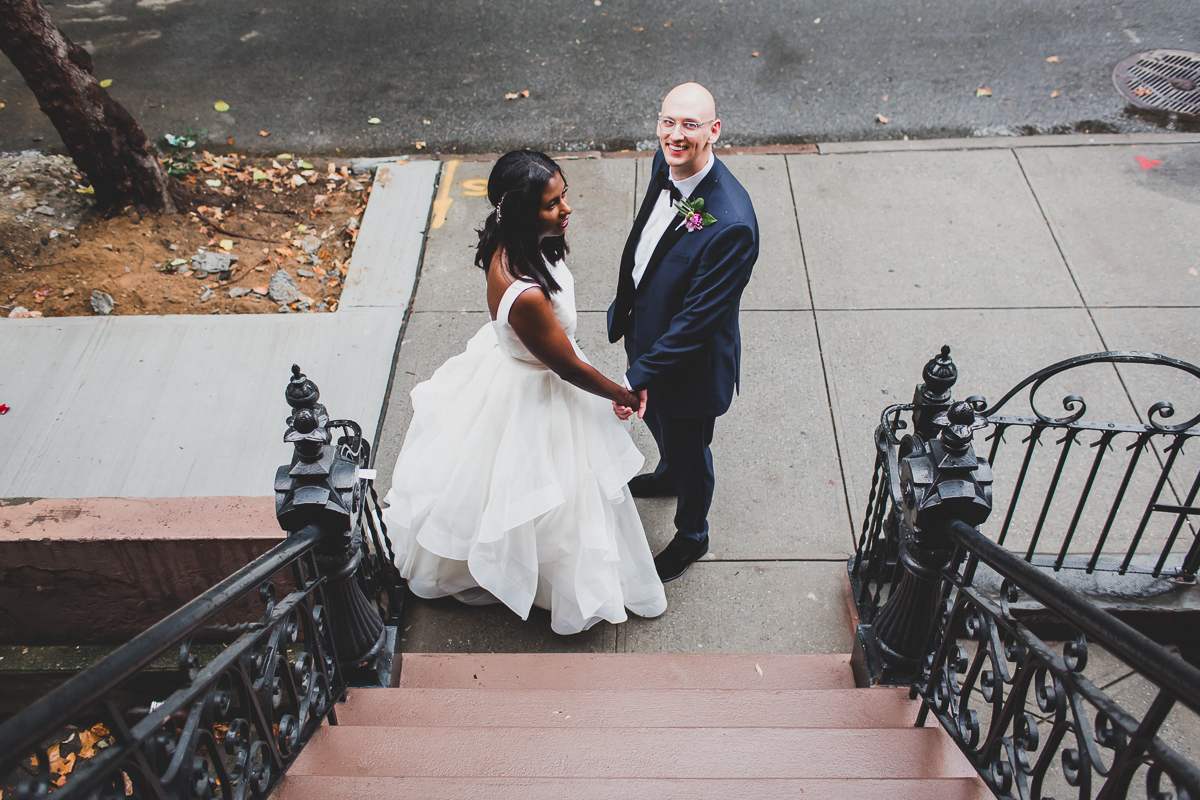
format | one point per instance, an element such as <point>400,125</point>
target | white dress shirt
<point>661,217</point>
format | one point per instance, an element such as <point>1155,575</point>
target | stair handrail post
<point>323,486</point>
<point>933,395</point>
<point>939,481</point>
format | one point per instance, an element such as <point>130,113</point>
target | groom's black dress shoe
<point>680,554</point>
<point>649,486</point>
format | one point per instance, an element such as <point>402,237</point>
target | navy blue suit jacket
<point>681,322</point>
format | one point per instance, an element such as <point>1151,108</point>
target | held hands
<point>626,411</point>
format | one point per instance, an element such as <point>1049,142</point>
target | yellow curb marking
<point>475,187</point>
<point>443,202</point>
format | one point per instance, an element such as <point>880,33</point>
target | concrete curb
<point>1008,142</point>
<point>387,255</point>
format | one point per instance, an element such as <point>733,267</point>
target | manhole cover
<point>1166,81</point>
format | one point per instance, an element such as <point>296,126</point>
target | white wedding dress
<point>511,486</point>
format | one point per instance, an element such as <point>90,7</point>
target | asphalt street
<point>313,73</point>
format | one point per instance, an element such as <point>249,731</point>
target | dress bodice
<point>562,302</point>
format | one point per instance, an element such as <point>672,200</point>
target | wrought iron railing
<point>945,608</point>
<point>232,725</point>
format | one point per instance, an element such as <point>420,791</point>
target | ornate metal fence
<point>944,607</point>
<point>232,725</point>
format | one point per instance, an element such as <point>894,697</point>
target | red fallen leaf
<point>1145,162</point>
<point>3,408</point>
<point>1142,91</point>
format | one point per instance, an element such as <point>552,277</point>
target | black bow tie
<point>663,180</point>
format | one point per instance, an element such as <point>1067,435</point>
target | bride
<point>511,484</point>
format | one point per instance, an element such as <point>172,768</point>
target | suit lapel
<point>623,304</point>
<point>675,230</point>
<point>639,222</point>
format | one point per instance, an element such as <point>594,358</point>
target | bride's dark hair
<point>515,191</point>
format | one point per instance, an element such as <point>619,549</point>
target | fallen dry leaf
<point>221,105</point>
<point>1054,94</point>
<point>758,669</point>
<point>41,294</point>
<point>89,739</point>
<point>264,133</point>
<point>881,119</point>
<point>983,91</point>
<point>754,54</point>
<point>515,95</point>
<point>60,766</point>
<point>1192,271</point>
<point>1052,60</point>
<point>419,145</point>
<point>1142,91</point>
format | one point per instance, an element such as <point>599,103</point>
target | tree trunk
<point>102,138</point>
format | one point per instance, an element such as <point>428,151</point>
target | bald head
<point>687,129</point>
<point>692,96</point>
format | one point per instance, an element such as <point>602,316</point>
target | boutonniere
<point>693,213</point>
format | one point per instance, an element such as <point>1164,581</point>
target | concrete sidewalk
<point>192,406</point>
<point>1018,253</point>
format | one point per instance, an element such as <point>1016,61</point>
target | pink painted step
<point>715,753</point>
<point>635,708</point>
<point>295,787</point>
<point>623,671</point>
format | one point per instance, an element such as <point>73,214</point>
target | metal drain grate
<point>1165,81</point>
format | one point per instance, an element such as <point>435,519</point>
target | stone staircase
<point>566,726</point>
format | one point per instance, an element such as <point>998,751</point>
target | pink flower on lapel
<point>693,213</point>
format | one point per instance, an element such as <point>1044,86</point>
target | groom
<point>685,264</point>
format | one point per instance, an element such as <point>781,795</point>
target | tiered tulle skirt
<point>512,484</point>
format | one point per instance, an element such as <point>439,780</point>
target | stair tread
<point>648,708</point>
<point>624,671</point>
<point>299,787</point>
<point>364,751</point>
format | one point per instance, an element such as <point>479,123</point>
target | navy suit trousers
<point>686,463</point>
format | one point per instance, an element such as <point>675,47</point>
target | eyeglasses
<point>667,124</point>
